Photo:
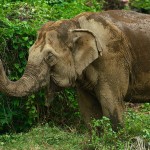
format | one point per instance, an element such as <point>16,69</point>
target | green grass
<point>42,138</point>
<point>134,135</point>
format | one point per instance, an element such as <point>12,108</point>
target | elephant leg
<point>89,106</point>
<point>111,91</point>
<point>112,106</point>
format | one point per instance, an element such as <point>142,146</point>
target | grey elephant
<point>106,56</point>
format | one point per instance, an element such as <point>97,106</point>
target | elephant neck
<point>89,77</point>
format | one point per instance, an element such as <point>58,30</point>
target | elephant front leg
<point>89,106</point>
<point>112,87</point>
<point>112,104</point>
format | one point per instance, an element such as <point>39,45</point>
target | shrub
<point>19,22</point>
<point>134,135</point>
<point>140,5</point>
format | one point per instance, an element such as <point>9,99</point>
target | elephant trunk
<point>33,78</point>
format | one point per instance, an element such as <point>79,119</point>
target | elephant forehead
<point>40,40</point>
<point>61,27</point>
<point>45,37</point>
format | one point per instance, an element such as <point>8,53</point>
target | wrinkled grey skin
<point>104,55</point>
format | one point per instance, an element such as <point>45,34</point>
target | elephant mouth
<point>53,85</point>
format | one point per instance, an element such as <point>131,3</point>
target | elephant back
<point>136,27</point>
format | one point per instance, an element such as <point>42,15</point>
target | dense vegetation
<point>19,22</point>
<point>134,136</point>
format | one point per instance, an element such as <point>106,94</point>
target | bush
<point>140,5</point>
<point>135,134</point>
<point>19,22</point>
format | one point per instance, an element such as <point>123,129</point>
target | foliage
<point>115,4</point>
<point>19,22</point>
<point>135,135</point>
<point>141,5</point>
<point>42,138</point>
<point>63,10</point>
<point>136,130</point>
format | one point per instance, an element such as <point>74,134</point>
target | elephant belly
<point>139,91</point>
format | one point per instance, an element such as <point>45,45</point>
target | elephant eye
<point>51,59</point>
<point>49,55</point>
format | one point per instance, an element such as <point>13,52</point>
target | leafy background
<point>19,22</point>
<point>60,125</point>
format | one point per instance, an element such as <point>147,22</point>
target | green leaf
<point>33,96</point>
<point>17,66</point>
<point>31,42</point>
<point>21,54</point>
<point>15,47</point>
<point>25,38</point>
<point>20,70</point>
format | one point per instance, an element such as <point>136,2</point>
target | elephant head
<point>59,55</point>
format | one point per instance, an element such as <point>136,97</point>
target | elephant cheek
<point>64,82</point>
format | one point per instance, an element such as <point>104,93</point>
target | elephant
<point>104,55</point>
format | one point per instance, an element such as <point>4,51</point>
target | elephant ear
<point>86,48</point>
